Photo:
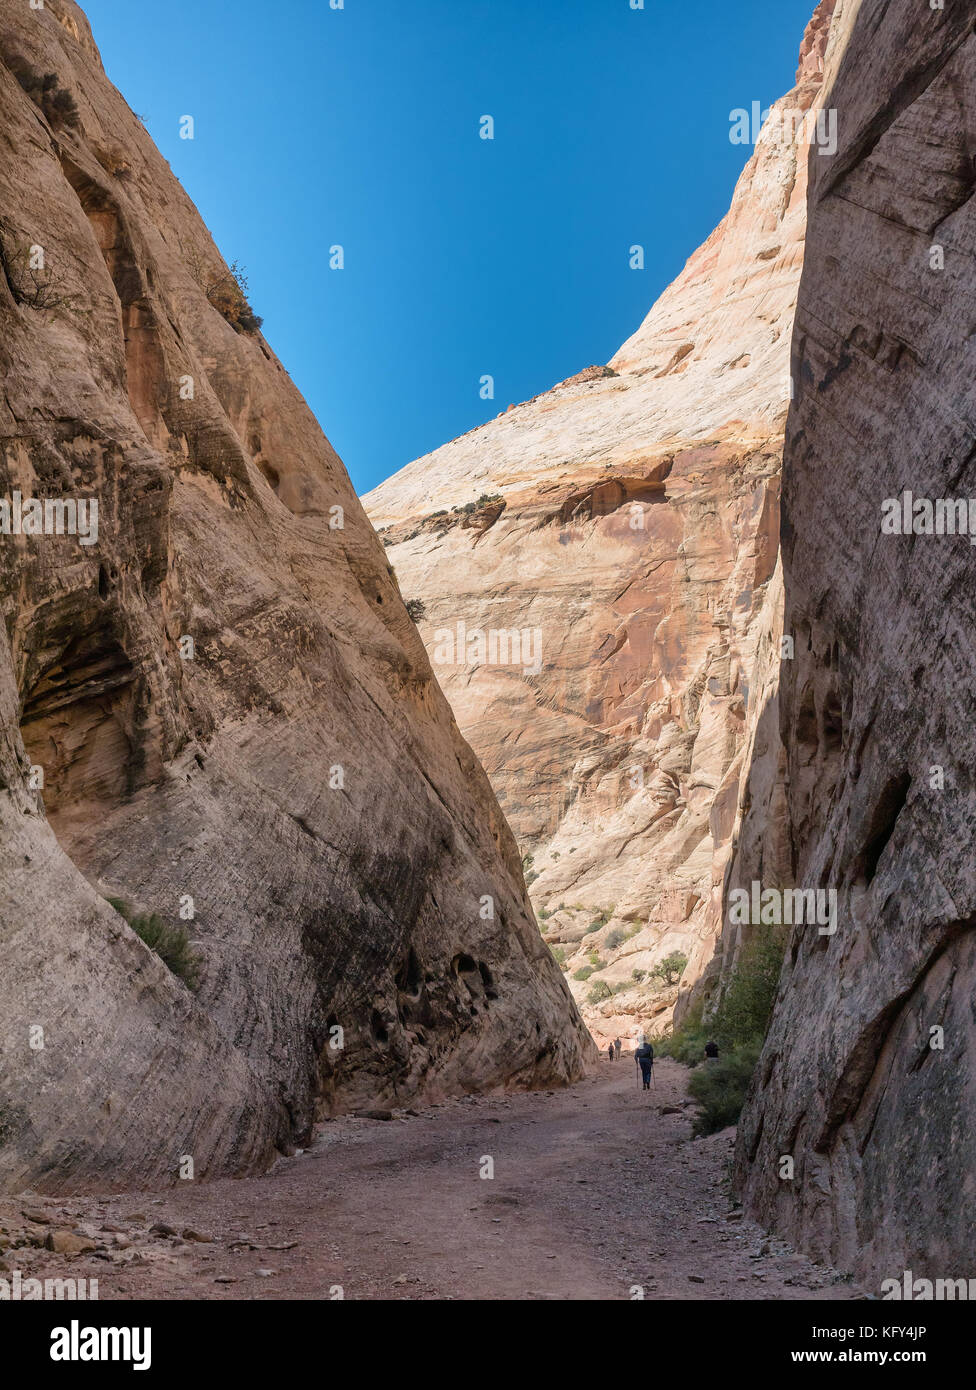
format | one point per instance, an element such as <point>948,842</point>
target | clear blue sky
<point>464,257</point>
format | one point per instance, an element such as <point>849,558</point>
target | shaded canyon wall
<point>298,775</point>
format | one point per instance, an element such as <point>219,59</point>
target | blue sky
<point>463,257</point>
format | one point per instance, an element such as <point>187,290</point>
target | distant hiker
<point>711,1051</point>
<point>610,1051</point>
<point>645,1060</point>
<point>617,1045</point>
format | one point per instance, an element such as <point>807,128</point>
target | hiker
<point>645,1060</point>
<point>711,1051</point>
<point>617,1045</point>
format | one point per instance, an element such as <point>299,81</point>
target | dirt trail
<point>595,1191</point>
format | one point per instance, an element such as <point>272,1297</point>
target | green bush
<point>171,944</point>
<point>746,1006</point>
<point>559,956</point>
<point>720,1087</point>
<point>615,938</point>
<point>738,1025</point>
<point>670,970</point>
<point>583,973</point>
<point>598,992</point>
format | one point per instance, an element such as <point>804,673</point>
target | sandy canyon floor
<point>598,1191</point>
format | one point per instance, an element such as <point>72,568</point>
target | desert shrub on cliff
<point>583,973</point>
<point>55,101</point>
<point>228,295</point>
<point>227,292</point>
<point>670,970</point>
<point>416,609</point>
<point>615,938</point>
<point>171,944</point>
<point>598,992</point>
<point>29,274</point>
<point>113,161</point>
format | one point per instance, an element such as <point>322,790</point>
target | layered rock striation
<point>625,525</point>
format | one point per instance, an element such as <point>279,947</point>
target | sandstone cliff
<point>232,713</point>
<point>626,522</point>
<point>867,1077</point>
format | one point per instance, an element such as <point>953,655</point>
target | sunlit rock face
<point>868,1078</point>
<point>625,525</point>
<point>236,722</point>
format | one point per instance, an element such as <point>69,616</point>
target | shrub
<point>686,1043</point>
<point>746,1006</point>
<point>720,1087</point>
<point>598,992</point>
<point>738,1026</point>
<point>171,944</point>
<point>416,609</point>
<point>601,919</point>
<point>559,956</point>
<point>56,102</point>
<point>227,293</point>
<point>114,162</point>
<point>615,938</point>
<point>670,969</point>
<point>30,277</point>
<point>583,973</point>
<point>638,976</point>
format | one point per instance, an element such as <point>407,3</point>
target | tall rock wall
<point>627,523</point>
<point>295,778</point>
<point>868,1077</point>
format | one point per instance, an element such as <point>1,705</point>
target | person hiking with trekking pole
<point>645,1060</point>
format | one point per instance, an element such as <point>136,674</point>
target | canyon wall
<point>234,718</point>
<point>868,1076</point>
<point>626,524</point>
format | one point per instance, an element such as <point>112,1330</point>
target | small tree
<point>670,970</point>
<point>599,991</point>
